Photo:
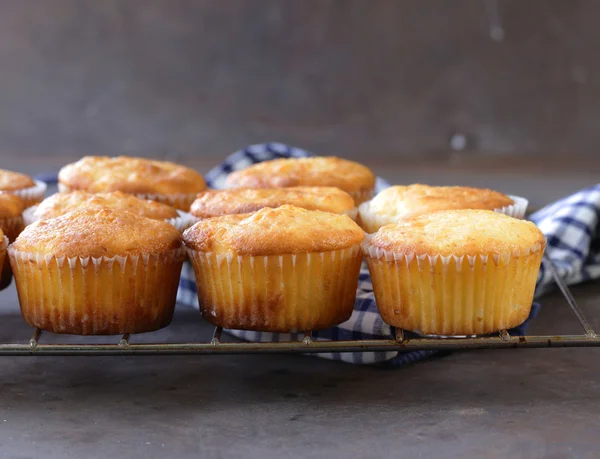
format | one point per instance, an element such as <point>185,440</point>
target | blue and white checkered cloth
<point>569,225</point>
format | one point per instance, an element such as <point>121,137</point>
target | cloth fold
<point>569,225</point>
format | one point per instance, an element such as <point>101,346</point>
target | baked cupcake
<point>349,176</point>
<point>148,179</point>
<point>455,272</point>
<point>398,202</point>
<point>11,215</point>
<point>97,272</point>
<point>62,203</point>
<point>280,270</point>
<point>11,224</point>
<point>214,203</point>
<point>3,264</point>
<point>29,190</point>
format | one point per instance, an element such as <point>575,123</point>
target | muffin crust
<point>10,181</point>
<point>406,201</point>
<point>62,203</point>
<point>130,175</point>
<point>97,233</point>
<point>459,233</point>
<point>214,203</point>
<point>284,230</point>
<point>347,175</point>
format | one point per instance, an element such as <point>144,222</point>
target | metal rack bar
<point>562,285</point>
<point>383,345</point>
<point>401,342</point>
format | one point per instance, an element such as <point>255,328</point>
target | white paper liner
<point>278,293</point>
<point>493,292</point>
<point>29,215</point>
<point>179,201</point>
<point>31,195</point>
<point>104,295</point>
<point>361,196</point>
<point>516,210</point>
<point>183,221</point>
<point>371,221</point>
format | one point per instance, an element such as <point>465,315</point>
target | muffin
<point>11,215</point>
<point>148,179</point>
<point>398,202</point>
<point>29,190</point>
<point>455,272</point>
<point>97,272</point>
<point>3,264</point>
<point>349,176</point>
<point>279,270</point>
<point>214,203</point>
<point>62,203</point>
<point>11,224</point>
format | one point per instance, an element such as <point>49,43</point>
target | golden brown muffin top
<point>62,203</point>
<point>10,181</point>
<point>316,171</point>
<point>97,233</point>
<point>284,230</point>
<point>131,175</point>
<point>213,203</point>
<point>405,201</point>
<point>11,206</point>
<point>459,232</point>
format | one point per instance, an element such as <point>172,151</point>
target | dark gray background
<point>352,77</point>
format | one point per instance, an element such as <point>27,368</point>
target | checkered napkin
<point>568,224</point>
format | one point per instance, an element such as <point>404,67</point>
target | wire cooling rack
<point>402,342</point>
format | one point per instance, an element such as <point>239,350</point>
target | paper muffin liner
<point>371,222</point>
<point>97,296</point>
<point>181,201</point>
<point>32,195</point>
<point>277,293</point>
<point>454,295</point>
<point>516,210</point>
<point>361,196</point>
<point>29,215</point>
<point>182,222</point>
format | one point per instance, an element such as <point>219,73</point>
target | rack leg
<point>307,338</point>
<point>216,340</point>
<point>562,285</point>
<point>399,335</point>
<point>33,342</point>
<point>124,340</point>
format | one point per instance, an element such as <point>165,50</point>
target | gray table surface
<point>541,403</point>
